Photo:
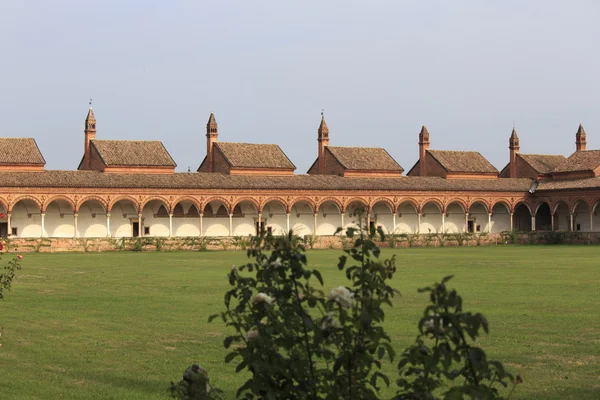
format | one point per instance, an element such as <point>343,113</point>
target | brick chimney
<point>212,135</point>
<point>90,134</point>
<point>513,145</point>
<point>423,147</point>
<point>323,139</point>
<point>580,139</point>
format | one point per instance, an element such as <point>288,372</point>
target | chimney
<point>580,139</point>
<point>423,147</point>
<point>212,134</point>
<point>513,145</point>
<point>323,139</point>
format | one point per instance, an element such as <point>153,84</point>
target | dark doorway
<point>543,218</point>
<point>3,229</point>
<point>522,218</point>
<point>136,229</point>
<point>470,226</point>
<point>260,227</point>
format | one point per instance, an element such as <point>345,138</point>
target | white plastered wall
<point>121,217</point>
<point>187,225</point>
<point>382,215</point>
<point>562,217</point>
<point>581,216</point>
<point>301,219</point>
<point>27,219</point>
<point>431,219</point>
<point>479,215</point>
<point>329,219</point>
<point>500,218</point>
<point>455,218</point>
<point>406,220</point>
<point>91,220</point>
<point>275,217</point>
<point>59,221</point>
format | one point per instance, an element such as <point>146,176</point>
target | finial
<point>322,112</point>
<point>90,103</point>
<point>189,169</point>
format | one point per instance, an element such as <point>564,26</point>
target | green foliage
<point>159,243</point>
<point>194,386</point>
<point>443,361</point>
<point>8,275</point>
<point>308,241</point>
<point>241,242</point>
<point>296,341</point>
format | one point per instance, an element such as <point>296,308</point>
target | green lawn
<point>122,325</point>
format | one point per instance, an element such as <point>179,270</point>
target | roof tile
<point>463,161</point>
<point>19,151</point>
<point>365,158</point>
<point>144,153</point>
<point>250,155</point>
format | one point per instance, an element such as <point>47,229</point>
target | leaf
<point>228,340</point>
<point>229,357</point>
<point>317,274</point>
<point>210,318</point>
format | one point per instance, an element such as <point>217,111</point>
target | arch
<point>209,200</point>
<point>554,207</point>
<point>596,202</point>
<point>576,202</point>
<point>338,203</point>
<point>251,200</point>
<point>88,198</point>
<point>58,197</point>
<point>178,210</point>
<point>309,201</point>
<point>280,200</point>
<point>483,202</point>
<point>163,200</point>
<point>522,202</point>
<point>409,200</point>
<point>461,202</point>
<point>504,202</point>
<point>351,200</point>
<point>37,202</point>
<point>191,199</point>
<point>132,200</point>
<point>432,200</point>
<point>4,204</point>
<point>522,216</point>
<point>385,200</point>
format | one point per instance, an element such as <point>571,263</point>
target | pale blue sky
<point>380,69</point>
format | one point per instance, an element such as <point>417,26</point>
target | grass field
<point>122,325</point>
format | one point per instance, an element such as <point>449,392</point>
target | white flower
<point>262,298</point>
<point>429,325</point>
<point>277,263</point>
<point>233,269</point>
<point>342,296</point>
<point>251,335</point>
<point>329,322</point>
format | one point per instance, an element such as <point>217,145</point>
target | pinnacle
<point>513,135</point>
<point>211,119</point>
<point>90,115</point>
<point>581,131</point>
<point>424,130</point>
<point>323,126</point>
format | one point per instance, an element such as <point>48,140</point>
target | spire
<point>580,139</point>
<point>424,131</point>
<point>211,126</point>
<point>513,135</point>
<point>90,121</point>
<point>423,147</point>
<point>323,129</point>
<point>513,145</point>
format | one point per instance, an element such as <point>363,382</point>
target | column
<point>418,223</point>
<point>466,222</point>
<point>9,229</point>
<point>170,225</point>
<point>315,225</point>
<point>443,222</point>
<point>368,221</point>
<point>107,224</point>
<point>288,222</point>
<point>43,228</point>
<point>200,218</point>
<point>511,221</point>
<point>230,224</point>
<point>342,217</point>
<point>75,233</point>
<point>533,223</point>
<point>571,225</point>
<point>489,222</point>
<point>394,223</point>
<point>140,227</point>
<point>552,222</point>
<point>591,221</point>
<point>260,229</point>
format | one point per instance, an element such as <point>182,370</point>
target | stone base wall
<point>51,245</point>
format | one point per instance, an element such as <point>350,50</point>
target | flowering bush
<point>300,341</point>
<point>7,277</point>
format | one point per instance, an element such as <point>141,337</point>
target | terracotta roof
<point>580,161</point>
<point>250,155</point>
<point>146,153</point>
<point>543,163</point>
<point>365,158</point>
<point>19,151</point>
<point>588,183</point>
<point>463,161</point>
<point>212,180</point>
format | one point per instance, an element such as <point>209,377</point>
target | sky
<point>468,70</point>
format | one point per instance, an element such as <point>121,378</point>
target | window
<point>13,231</point>
<point>578,227</point>
<point>146,230</point>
